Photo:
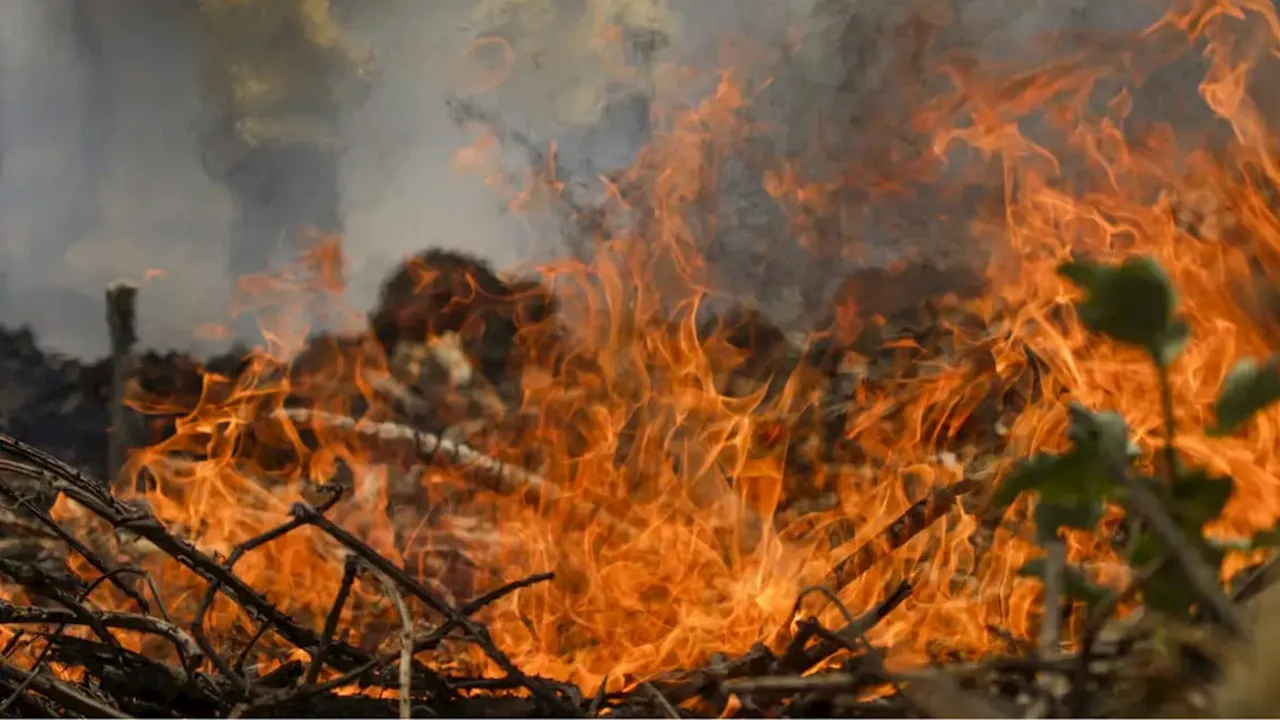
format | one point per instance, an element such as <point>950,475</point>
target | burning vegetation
<point>1046,489</point>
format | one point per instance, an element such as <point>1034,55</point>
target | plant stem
<point>1170,422</point>
<point>1054,567</point>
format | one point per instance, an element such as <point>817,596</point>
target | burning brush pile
<point>590,494</point>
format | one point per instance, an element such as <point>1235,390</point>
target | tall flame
<point>690,547</point>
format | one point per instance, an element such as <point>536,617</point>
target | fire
<point>672,529</point>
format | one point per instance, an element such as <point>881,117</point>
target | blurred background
<point>106,110</point>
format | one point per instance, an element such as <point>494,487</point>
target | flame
<point>673,529</point>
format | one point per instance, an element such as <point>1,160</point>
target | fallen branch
<point>915,520</point>
<point>139,521</point>
<point>108,573</point>
<point>58,691</point>
<point>492,474</point>
<point>186,646</point>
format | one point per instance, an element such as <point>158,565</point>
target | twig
<point>679,687</point>
<point>121,314</point>
<point>59,692</point>
<point>793,656</point>
<point>454,618</point>
<point>1055,565</point>
<point>915,520</point>
<point>471,607</point>
<point>1202,579</point>
<point>243,658</point>
<point>938,695</point>
<point>57,632</point>
<point>139,521</point>
<point>597,702</point>
<point>827,682</point>
<point>94,560</point>
<point>188,650</point>
<point>394,390</point>
<point>253,543</point>
<point>857,629</point>
<point>429,642</point>
<point>406,644</point>
<point>1098,617</point>
<point>668,710</point>
<point>82,614</point>
<point>349,571</point>
<point>854,630</point>
<point>12,644</point>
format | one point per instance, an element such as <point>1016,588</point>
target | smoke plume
<point>100,177</point>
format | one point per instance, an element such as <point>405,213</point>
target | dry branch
<point>915,520</point>
<point>58,691</point>
<point>490,473</point>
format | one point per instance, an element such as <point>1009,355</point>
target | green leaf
<point>1080,513</point>
<point>1103,434</point>
<point>1075,585</point>
<point>1132,302</point>
<point>1025,476</point>
<point>1066,478</point>
<point>1073,487</point>
<point>1168,590</point>
<point>1199,498</point>
<point>1249,387</point>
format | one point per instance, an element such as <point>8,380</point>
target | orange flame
<point>694,548</point>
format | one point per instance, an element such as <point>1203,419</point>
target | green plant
<point>1134,303</point>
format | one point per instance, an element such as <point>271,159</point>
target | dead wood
<point>121,320</point>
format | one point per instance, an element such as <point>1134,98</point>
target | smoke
<point>100,177</point>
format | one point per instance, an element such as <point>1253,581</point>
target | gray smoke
<point>100,177</point>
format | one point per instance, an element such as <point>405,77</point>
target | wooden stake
<point>121,323</point>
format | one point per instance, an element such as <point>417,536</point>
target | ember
<point>598,492</point>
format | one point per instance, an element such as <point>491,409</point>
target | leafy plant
<point>1134,303</point>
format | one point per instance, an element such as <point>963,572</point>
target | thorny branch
<point>23,459</point>
<point>240,695</point>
